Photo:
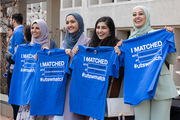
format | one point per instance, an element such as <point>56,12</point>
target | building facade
<point>163,13</point>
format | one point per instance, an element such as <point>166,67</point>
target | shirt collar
<point>17,27</point>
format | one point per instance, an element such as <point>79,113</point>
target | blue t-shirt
<point>48,90</point>
<point>17,38</point>
<point>143,58</point>
<point>91,68</point>
<point>23,73</point>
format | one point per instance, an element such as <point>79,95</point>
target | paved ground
<point>5,118</point>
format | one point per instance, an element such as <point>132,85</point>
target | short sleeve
<point>67,70</point>
<point>13,57</point>
<point>121,57</point>
<point>170,40</point>
<point>15,54</point>
<point>72,63</point>
<point>114,65</point>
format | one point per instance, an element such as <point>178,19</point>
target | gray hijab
<point>43,38</point>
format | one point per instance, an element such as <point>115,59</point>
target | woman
<point>104,35</point>
<point>27,33</point>
<point>74,37</point>
<point>39,31</point>
<point>157,108</point>
<point>10,32</point>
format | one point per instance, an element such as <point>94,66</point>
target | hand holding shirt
<point>91,68</point>
<point>143,58</point>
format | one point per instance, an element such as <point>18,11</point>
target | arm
<point>119,44</point>
<point>68,52</point>
<point>171,58</point>
<point>117,50</point>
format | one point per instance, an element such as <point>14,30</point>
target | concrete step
<point>5,118</point>
<point>5,108</point>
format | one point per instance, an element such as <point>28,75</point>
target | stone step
<point>5,108</point>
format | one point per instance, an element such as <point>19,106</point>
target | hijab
<point>43,38</point>
<point>146,27</point>
<point>71,39</point>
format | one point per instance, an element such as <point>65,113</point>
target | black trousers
<point>15,107</point>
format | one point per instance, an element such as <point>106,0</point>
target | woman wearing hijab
<point>157,108</point>
<point>74,37</point>
<point>40,32</point>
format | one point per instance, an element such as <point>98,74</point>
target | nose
<point>33,30</point>
<point>137,15</point>
<point>100,29</point>
<point>69,25</point>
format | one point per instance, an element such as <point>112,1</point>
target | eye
<point>72,21</point>
<point>134,14</point>
<point>67,22</point>
<point>104,27</point>
<point>141,13</point>
<point>98,27</point>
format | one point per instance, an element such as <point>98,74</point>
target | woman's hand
<point>68,52</point>
<point>178,60</point>
<point>36,57</point>
<point>44,47</point>
<point>169,29</point>
<point>178,72</point>
<point>76,50</point>
<point>16,48</point>
<point>117,50</point>
<point>119,43</point>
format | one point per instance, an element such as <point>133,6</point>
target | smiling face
<point>35,30</point>
<point>102,30</point>
<point>10,32</point>
<point>72,24</point>
<point>139,17</point>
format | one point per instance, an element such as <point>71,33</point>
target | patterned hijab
<point>71,39</point>
<point>145,28</point>
<point>43,38</point>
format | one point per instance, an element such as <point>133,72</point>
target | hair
<point>111,40</point>
<point>27,33</point>
<point>18,18</point>
<point>10,26</point>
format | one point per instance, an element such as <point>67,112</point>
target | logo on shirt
<point>53,71</point>
<point>96,68</point>
<point>29,62</point>
<point>146,54</point>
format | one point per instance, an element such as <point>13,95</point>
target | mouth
<point>100,35</point>
<point>34,34</point>
<point>70,29</point>
<point>138,21</point>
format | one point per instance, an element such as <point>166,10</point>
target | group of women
<point>104,35</point>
